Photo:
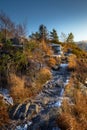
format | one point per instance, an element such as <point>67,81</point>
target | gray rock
<point>34,107</point>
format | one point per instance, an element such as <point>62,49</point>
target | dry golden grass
<point>45,48</point>
<point>4,117</point>
<point>18,90</point>
<point>72,62</point>
<point>81,70</point>
<point>44,75</point>
<point>51,62</point>
<point>45,71</point>
<point>67,122</point>
<point>74,117</point>
<point>69,88</point>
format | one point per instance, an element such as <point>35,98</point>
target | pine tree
<point>43,32</point>
<point>70,37</point>
<point>54,36</point>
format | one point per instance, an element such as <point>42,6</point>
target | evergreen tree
<point>34,36</point>
<point>43,32</point>
<point>70,37</point>
<point>54,36</point>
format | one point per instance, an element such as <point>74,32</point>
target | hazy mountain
<point>82,44</point>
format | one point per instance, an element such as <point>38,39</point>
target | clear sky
<point>63,15</point>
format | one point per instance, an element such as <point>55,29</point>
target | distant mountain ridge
<point>82,44</point>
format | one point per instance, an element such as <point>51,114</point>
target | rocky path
<point>41,112</point>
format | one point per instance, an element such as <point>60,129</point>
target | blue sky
<point>63,15</point>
